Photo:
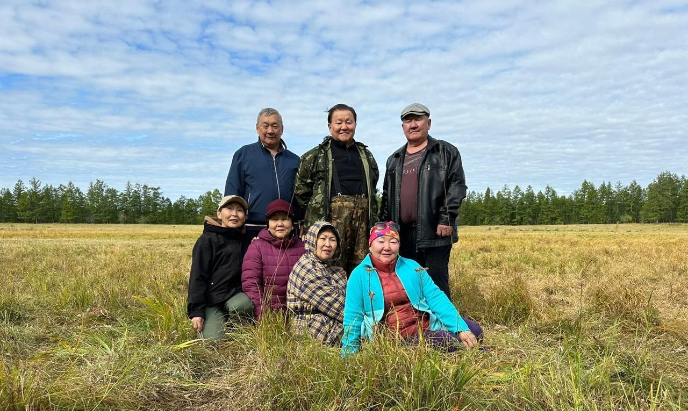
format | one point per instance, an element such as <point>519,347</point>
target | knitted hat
<point>277,206</point>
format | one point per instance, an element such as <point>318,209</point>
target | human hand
<point>254,239</point>
<point>197,323</point>
<point>444,230</point>
<point>468,339</point>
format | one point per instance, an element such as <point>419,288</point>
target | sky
<point>163,92</point>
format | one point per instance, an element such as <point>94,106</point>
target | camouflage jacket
<point>313,183</point>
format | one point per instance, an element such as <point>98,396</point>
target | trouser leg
<point>239,306</point>
<point>475,328</point>
<point>214,324</point>
<point>360,225</point>
<point>407,246</point>
<point>437,260</point>
<point>341,207</point>
<point>350,218</point>
<point>440,340</point>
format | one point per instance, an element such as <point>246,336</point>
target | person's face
<point>384,248</point>
<point>416,128</point>
<point>232,215</point>
<point>280,225</point>
<point>343,125</point>
<point>326,245</point>
<point>269,130</point>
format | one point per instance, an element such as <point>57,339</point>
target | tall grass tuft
<point>626,301</point>
<point>510,302</point>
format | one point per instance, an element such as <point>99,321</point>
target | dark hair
<point>268,112</point>
<point>338,107</point>
<point>330,229</point>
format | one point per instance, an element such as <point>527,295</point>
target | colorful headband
<point>377,232</point>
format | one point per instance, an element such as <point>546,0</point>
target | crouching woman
<point>215,281</point>
<point>270,258</point>
<point>316,287</point>
<point>395,291</point>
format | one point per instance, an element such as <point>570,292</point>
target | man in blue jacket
<point>262,172</point>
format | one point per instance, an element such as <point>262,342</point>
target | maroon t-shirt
<point>408,197</point>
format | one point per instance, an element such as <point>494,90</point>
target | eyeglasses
<point>381,225</point>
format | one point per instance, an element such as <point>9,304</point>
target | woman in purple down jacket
<point>270,258</point>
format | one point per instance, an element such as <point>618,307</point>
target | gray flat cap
<point>415,108</point>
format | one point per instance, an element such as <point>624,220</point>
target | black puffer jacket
<point>215,267</point>
<point>441,189</point>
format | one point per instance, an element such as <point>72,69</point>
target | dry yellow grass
<point>576,317</point>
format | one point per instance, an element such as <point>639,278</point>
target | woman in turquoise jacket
<point>398,293</point>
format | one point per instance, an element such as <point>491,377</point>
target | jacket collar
<point>327,140</point>
<point>265,235</point>
<point>214,225</point>
<point>282,147</point>
<point>431,143</point>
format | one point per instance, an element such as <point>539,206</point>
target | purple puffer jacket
<point>267,264</point>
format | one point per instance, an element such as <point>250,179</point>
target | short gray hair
<point>269,112</point>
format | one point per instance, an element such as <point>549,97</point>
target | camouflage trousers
<point>350,218</point>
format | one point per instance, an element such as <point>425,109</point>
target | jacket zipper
<point>274,164</point>
<point>419,202</point>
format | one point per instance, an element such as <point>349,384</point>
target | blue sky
<point>163,93</point>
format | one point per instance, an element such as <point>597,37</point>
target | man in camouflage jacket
<point>336,182</point>
<point>314,179</point>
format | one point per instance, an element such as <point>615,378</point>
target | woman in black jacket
<point>215,280</point>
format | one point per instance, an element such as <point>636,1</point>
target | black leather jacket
<point>441,189</point>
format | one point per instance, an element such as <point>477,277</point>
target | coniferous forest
<point>665,200</point>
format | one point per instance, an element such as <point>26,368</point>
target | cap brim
<point>415,113</point>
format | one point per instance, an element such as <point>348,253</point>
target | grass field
<point>576,318</point>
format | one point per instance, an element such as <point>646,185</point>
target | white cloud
<point>532,93</point>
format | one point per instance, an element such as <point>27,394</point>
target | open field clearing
<point>576,318</point>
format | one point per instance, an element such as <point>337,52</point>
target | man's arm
<point>201,263</point>
<point>303,185</point>
<point>455,186</point>
<point>235,177</point>
<point>374,177</point>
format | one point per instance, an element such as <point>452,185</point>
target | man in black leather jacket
<point>422,192</point>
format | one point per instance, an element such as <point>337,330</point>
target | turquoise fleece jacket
<point>365,303</point>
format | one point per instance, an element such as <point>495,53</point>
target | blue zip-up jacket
<point>260,178</point>
<point>364,306</point>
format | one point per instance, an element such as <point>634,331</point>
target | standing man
<point>337,183</point>
<point>262,172</point>
<point>423,190</point>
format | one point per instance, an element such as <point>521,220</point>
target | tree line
<point>665,200</point>
<point>101,204</point>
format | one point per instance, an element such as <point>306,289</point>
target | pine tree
<point>29,202</point>
<point>519,205</point>
<point>531,207</point>
<point>8,209</point>
<point>662,201</point>
<point>505,206</point>
<point>95,202</point>
<point>682,212</point>
<point>73,205</point>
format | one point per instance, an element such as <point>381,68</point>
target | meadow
<point>594,317</point>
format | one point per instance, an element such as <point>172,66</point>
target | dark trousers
<point>435,259</point>
<point>448,341</point>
